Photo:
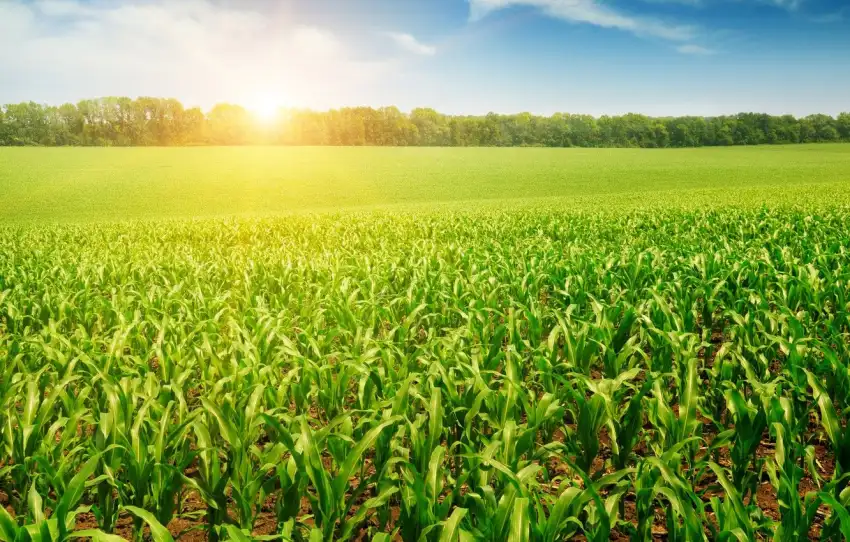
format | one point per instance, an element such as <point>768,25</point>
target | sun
<point>265,108</point>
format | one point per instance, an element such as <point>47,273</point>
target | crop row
<point>517,375</point>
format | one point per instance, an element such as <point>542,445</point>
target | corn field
<point>521,375</point>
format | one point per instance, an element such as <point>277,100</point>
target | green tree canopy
<point>123,121</point>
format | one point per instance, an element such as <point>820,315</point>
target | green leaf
<point>518,530</point>
<point>73,493</point>
<point>828,417</point>
<point>8,527</point>
<point>96,535</point>
<point>228,431</point>
<point>840,511</point>
<point>236,534</point>
<point>34,502</point>
<point>452,526</point>
<point>158,532</point>
<point>354,456</point>
<point>570,500</point>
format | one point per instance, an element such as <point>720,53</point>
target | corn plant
<point>529,373</point>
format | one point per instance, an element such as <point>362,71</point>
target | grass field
<point>73,184</point>
<point>481,344</point>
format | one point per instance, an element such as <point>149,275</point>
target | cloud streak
<point>790,5</point>
<point>410,44</point>
<point>692,3</point>
<point>591,12</point>
<point>691,49</point>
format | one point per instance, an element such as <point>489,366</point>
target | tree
<point>431,127</point>
<point>5,129</point>
<point>228,125</point>
<point>843,126</point>
<point>164,121</point>
<point>680,134</point>
<point>823,127</point>
<point>660,135</point>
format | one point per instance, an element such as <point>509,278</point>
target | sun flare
<point>265,108</point>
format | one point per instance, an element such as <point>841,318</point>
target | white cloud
<point>591,12</point>
<point>833,17</point>
<point>316,42</point>
<point>200,51</point>
<point>62,8</point>
<point>15,21</point>
<point>409,43</point>
<point>790,5</point>
<point>691,49</point>
<point>693,3</point>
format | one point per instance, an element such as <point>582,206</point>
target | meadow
<point>425,344</point>
<point>96,184</point>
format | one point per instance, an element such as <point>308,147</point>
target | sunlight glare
<point>265,108</point>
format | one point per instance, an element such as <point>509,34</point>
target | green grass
<point>84,184</point>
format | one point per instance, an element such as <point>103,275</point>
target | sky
<point>656,57</point>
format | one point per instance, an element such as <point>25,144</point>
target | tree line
<point>117,121</point>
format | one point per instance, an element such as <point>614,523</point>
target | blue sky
<point>658,57</point>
